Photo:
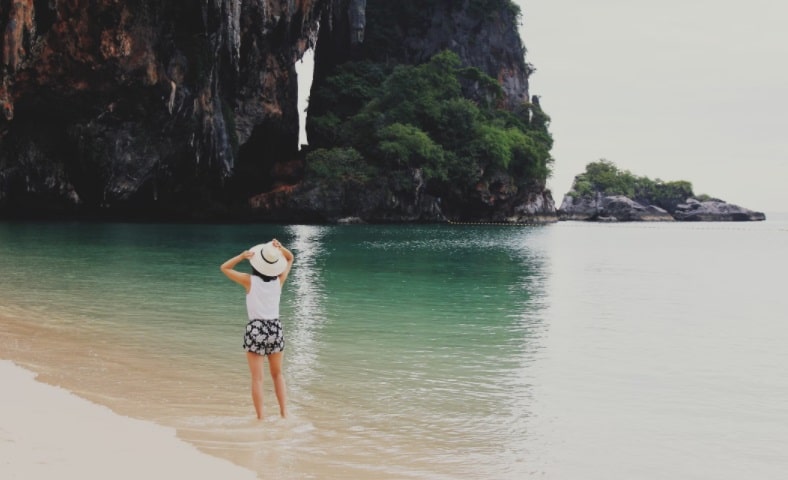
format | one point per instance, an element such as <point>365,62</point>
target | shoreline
<point>47,431</point>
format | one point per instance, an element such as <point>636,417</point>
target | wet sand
<point>47,432</point>
<point>198,404</point>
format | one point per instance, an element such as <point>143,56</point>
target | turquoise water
<point>564,351</point>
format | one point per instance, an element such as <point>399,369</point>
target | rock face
<point>189,109</point>
<point>618,208</point>
<point>321,203</point>
<point>147,105</point>
<point>411,33</point>
<point>714,211</point>
<point>483,34</point>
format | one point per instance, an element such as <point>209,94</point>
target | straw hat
<point>267,259</point>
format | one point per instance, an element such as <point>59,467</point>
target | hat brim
<point>266,268</point>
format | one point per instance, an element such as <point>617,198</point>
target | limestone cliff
<point>484,35</point>
<point>144,105</point>
<point>482,32</point>
<point>189,109</point>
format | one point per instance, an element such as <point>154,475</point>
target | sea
<point>565,351</point>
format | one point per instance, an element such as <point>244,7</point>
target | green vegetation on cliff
<point>606,178</point>
<point>436,123</point>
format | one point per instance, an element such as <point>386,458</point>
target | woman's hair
<point>265,278</point>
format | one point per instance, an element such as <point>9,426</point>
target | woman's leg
<point>275,365</point>
<point>256,368</point>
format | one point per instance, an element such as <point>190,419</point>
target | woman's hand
<point>288,256</point>
<point>247,254</point>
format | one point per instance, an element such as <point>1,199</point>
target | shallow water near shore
<point>564,351</point>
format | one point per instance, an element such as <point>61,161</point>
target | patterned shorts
<point>264,337</point>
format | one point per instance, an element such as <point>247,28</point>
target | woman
<point>264,337</point>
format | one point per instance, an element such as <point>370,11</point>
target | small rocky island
<point>604,193</point>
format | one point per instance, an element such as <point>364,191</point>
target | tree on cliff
<point>436,123</point>
<point>606,178</point>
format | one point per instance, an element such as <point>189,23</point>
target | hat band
<point>262,254</point>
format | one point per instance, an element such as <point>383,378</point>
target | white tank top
<point>262,301</point>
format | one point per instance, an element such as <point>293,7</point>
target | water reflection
<point>308,309</point>
<point>528,331</point>
<point>437,330</point>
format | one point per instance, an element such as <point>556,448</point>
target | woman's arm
<point>288,256</point>
<point>243,279</point>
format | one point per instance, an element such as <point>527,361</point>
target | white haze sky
<point>691,90</point>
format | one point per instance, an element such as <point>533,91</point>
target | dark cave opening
<point>269,159</point>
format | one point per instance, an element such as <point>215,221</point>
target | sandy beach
<point>47,432</point>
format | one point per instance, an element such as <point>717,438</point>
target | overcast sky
<point>691,90</point>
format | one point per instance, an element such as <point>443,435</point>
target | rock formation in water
<point>608,194</point>
<point>612,208</point>
<point>618,208</point>
<point>714,210</point>
<point>189,109</point>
